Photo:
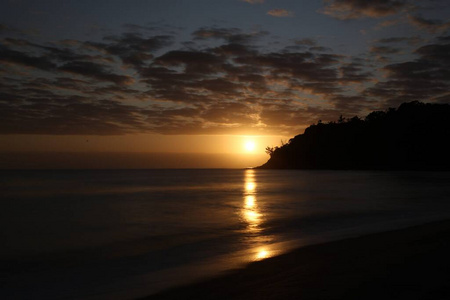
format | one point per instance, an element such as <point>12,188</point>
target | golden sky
<point>208,77</point>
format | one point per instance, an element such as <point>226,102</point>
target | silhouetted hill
<point>416,136</point>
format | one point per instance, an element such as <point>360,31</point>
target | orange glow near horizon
<point>135,151</point>
<point>155,143</point>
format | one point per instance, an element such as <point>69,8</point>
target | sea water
<point>121,234</point>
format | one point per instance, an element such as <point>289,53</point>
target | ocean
<point>122,234</point>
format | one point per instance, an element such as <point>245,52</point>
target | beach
<point>411,263</point>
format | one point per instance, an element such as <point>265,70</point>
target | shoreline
<point>410,263</point>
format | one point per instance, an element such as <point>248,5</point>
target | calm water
<point>127,233</point>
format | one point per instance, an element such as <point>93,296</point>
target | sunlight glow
<point>252,215</point>
<point>249,201</point>
<point>250,146</point>
<point>250,187</point>
<point>262,255</point>
<point>250,212</point>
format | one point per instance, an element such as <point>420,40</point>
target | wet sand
<point>411,263</point>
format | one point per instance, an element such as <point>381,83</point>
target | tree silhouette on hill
<point>415,136</point>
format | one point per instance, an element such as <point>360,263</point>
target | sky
<point>194,83</point>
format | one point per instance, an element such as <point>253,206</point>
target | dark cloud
<point>56,54</point>
<point>67,83</point>
<point>218,85</point>
<point>320,49</point>
<point>132,48</point>
<point>10,56</point>
<point>306,42</point>
<point>350,105</point>
<point>234,50</point>
<point>193,62</point>
<point>384,50</point>
<point>318,88</point>
<point>287,115</point>
<point>60,59</point>
<point>96,71</point>
<point>433,26</point>
<point>438,53</point>
<point>229,113</point>
<point>393,40</point>
<point>169,85</point>
<point>133,41</point>
<point>425,78</point>
<point>221,81</point>
<point>355,72</point>
<point>69,115</point>
<point>227,87</point>
<point>444,38</point>
<point>297,68</point>
<point>354,9</point>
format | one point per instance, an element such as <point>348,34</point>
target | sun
<point>250,146</point>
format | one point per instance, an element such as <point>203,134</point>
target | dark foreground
<point>408,264</point>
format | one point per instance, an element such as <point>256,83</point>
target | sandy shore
<point>408,264</point>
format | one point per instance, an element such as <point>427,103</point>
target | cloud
<point>426,78</point>
<point>355,9</point>
<point>288,114</point>
<point>229,113</point>
<point>11,56</point>
<point>281,13</point>
<point>69,115</point>
<point>354,72</point>
<point>223,83</point>
<point>444,38</point>
<point>194,62</point>
<point>96,71</point>
<point>351,105</point>
<point>60,59</point>
<point>220,89</point>
<point>394,40</point>
<point>306,42</point>
<point>384,50</point>
<point>132,48</point>
<point>432,26</point>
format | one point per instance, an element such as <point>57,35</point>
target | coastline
<point>411,263</point>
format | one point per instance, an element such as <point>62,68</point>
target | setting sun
<point>249,146</point>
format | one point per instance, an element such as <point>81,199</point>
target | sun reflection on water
<point>250,186</point>
<point>252,215</point>
<point>250,211</point>
<point>262,254</point>
<point>249,201</point>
